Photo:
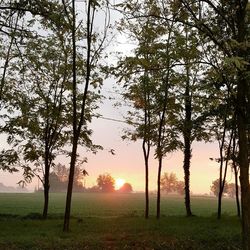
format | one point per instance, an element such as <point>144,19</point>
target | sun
<point>119,183</point>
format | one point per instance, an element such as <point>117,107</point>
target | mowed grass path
<point>115,221</point>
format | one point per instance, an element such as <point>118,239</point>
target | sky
<point>128,163</point>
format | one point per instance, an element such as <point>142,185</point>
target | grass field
<point>115,221</point>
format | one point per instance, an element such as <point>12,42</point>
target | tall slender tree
<point>81,92</point>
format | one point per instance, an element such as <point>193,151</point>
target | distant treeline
<point>59,182</point>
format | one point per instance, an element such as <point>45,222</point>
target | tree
<point>169,182</point>
<point>223,130</point>
<point>139,82</point>
<point>139,86</point>
<point>215,188</point>
<point>79,181</point>
<point>61,172</point>
<point>39,130</point>
<point>59,179</point>
<point>180,187</point>
<point>126,188</point>
<point>16,29</point>
<point>80,91</point>
<point>106,183</point>
<point>56,184</point>
<point>231,190</point>
<point>37,120</point>
<point>189,118</point>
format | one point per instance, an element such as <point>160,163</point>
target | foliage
<point>215,188</point>
<point>229,189</point>
<point>59,179</point>
<point>106,183</point>
<point>126,188</point>
<point>36,120</point>
<point>180,187</point>
<point>170,184</point>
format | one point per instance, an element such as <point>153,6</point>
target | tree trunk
<point>223,181</point>
<point>70,187</point>
<point>186,166</point>
<point>187,143</point>
<point>159,150</point>
<point>46,185</point>
<point>244,163</point>
<point>236,174</point>
<point>46,200</point>
<point>242,121</point>
<point>228,153</point>
<point>146,150</point>
<point>237,191</point>
<point>74,125</point>
<point>221,168</point>
<point>77,125</point>
<point>146,142</point>
<point>158,203</point>
<point>160,155</point>
<point>219,203</point>
<point>244,181</point>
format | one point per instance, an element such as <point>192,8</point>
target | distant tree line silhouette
<point>105,182</point>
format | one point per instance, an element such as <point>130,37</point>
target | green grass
<point>115,221</point>
<point>105,205</point>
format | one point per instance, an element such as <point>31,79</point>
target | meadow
<point>115,221</point>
